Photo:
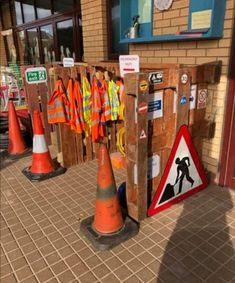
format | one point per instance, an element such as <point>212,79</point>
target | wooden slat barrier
<point>77,148</point>
<point>161,131</point>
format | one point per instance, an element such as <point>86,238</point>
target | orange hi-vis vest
<point>100,108</point>
<point>71,103</point>
<point>105,103</point>
<point>58,105</point>
<point>121,94</point>
<point>77,95</point>
<point>75,100</point>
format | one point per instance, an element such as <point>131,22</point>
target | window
<point>63,5</point>
<point>43,8</point>
<point>115,48</point>
<point>18,13</point>
<point>33,46</point>
<point>43,31</point>
<point>65,39</point>
<point>28,10</point>
<point>47,43</point>
<point>22,47</point>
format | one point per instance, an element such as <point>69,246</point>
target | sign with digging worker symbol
<point>183,175</point>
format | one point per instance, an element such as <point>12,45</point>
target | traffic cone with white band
<point>43,166</point>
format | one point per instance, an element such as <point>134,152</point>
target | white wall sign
<point>129,64</point>
<point>68,62</point>
<point>193,97</point>
<point>155,105</point>
<point>153,168</point>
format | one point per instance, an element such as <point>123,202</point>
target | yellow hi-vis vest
<point>58,105</point>
<point>113,99</point>
<point>121,93</point>
<point>86,104</point>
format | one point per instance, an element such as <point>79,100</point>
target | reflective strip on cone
<point>39,144</point>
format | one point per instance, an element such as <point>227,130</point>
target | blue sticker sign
<point>155,105</point>
<point>183,100</point>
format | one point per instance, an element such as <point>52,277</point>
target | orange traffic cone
<point>106,228</point>
<point>17,147</point>
<point>108,216</point>
<point>43,166</point>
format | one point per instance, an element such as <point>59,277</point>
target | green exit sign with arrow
<point>36,75</point>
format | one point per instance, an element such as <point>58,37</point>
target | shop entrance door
<point>227,176</point>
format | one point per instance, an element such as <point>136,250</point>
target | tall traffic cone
<point>43,166</point>
<point>107,228</point>
<point>17,147</point>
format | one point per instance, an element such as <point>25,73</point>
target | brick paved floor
<point>192,241</point>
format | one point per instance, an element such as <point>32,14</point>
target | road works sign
<point>183,175</point>
<point>36,75</point>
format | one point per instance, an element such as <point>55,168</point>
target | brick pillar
<point>94,29</point>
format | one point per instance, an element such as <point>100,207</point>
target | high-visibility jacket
<point>71,103</point>
<point>86,104</point>
<point>75,100</point>
<point>77,95</point>
<point>121,94</point>
<point>113,99</point>
<point>58,105</point>
<point>105,104</point>
<point>100,108</point>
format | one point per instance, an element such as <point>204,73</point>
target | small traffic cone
<point>108,216</point>
<point>107,228</point>
<point>43,166</point>
<point>17,147</point>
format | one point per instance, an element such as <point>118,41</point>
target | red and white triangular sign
<point>183,175</point>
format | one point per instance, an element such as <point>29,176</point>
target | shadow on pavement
<point>199,249</point>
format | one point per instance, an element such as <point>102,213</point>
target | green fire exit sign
<point>36,75</point>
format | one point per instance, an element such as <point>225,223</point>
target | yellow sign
<point>143,85</point>
<point>201,19</point>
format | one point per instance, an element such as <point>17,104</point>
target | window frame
<point>73,14</point>
<point>111,56</point>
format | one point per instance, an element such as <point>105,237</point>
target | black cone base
<point>43,176</point>
<point>108,241</point>
<point>20,155</point>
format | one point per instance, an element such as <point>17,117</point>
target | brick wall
<point>173,20</point>
<point>94,26</point>
<point>191,53</point>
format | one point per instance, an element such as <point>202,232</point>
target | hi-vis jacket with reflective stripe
<point>58,105</point>
<point>86,103</point>
<point>75,100</point>
<point>114,101</point>
<point>121,94</point>
<point>100,108</point>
